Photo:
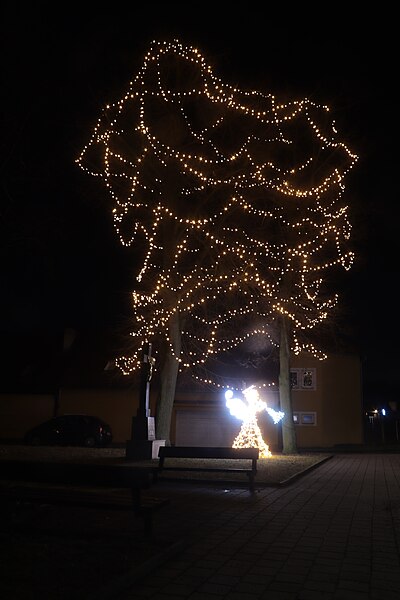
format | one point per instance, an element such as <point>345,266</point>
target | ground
<point>53,551</point>
<point>274,470</point>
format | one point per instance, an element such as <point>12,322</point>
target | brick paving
<point>333,534</point>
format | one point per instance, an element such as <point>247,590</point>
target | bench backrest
<point>208,452</point>
<point>76,473</point>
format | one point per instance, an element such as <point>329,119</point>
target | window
<point>305,418</point>
<point>308,418</point>
<point>303,379</point>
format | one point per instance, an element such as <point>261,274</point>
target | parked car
<point>70,430</point>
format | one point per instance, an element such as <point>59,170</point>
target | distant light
<point>383,411</point>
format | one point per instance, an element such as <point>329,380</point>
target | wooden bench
<point>88,476</point>
<point>203,453</point>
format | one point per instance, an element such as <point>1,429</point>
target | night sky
<point>62,265</point>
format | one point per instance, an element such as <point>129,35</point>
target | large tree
<point>236,199</point>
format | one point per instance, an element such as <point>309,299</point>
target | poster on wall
<point>303,379</point>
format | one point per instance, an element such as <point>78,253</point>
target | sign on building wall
<point>303,379</point>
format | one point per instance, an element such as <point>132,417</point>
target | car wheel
<point>90,442</point>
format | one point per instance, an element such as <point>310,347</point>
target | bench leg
<point>136,496</point>
<point>148,520</point>
<point>251,481</point>
<point>141,511</point>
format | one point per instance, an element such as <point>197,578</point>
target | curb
<point>296,476</point>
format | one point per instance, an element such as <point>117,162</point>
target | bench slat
<point>208,452</point>
<point>76,473</point>
<point>217,469</point>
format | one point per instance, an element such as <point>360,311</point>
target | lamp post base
<point>143,449</point>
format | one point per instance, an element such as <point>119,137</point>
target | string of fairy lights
<point>230,193</point>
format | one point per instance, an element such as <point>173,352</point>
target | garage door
<point>205,428</point>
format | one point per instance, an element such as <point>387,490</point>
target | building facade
<point>326,397</point>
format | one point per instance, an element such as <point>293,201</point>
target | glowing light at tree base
<point>250,435</point>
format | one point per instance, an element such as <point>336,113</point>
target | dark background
<point>62,267</point>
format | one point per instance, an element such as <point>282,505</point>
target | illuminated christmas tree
<point>237,201</point>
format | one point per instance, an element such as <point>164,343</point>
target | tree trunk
<point>285,392</point>
<point>169,376</point>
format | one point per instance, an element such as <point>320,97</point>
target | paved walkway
<point>332,534</point>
